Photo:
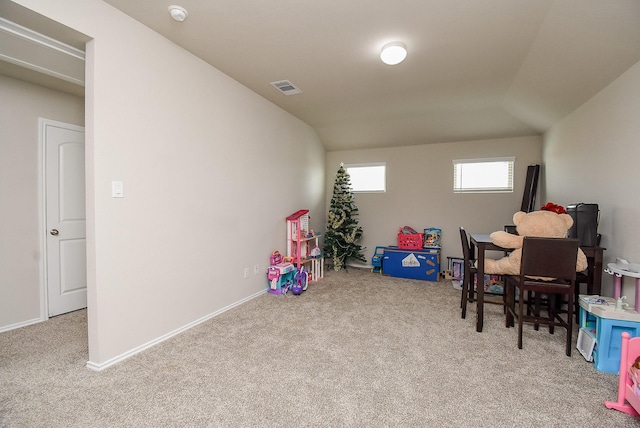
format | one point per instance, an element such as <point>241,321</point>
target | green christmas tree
<point>343,232</point>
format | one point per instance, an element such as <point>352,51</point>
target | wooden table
<point>594,268</point>
<point>481,243</point>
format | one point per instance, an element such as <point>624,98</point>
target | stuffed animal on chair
<point>544,224</point>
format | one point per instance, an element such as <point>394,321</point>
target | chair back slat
<point>549,257</point>
<point>466,248</point>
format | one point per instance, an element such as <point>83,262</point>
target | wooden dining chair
<point>470,272</point>
<point>469,278</point>
<point>548,267</point>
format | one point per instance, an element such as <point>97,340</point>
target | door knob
<point>54,232</point>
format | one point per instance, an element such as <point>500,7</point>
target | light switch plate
<point>117,189</point>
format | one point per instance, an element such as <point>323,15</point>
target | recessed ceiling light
<point>178,13</point>
<point>393,53</point>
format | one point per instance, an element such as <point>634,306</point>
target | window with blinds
<point>494,175</point>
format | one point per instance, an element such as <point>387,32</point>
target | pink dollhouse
<point>303,246</point>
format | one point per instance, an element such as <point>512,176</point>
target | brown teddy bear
<point>544,224</point>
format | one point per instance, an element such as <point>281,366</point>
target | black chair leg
<point>569,326</point>
<point>464,296</point>
<point>551,301</point>
<point>520,318</point>
<point>510,304</point>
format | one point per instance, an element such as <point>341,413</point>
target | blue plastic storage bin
<point>412,264</point>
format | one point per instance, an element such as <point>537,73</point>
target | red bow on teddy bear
<point>550,206</point>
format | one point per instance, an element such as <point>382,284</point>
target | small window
<point>483,175</point>
<point>370,177</point>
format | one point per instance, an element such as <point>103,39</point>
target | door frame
<point>42,207</point>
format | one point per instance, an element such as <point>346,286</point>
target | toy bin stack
<point>410,259</point>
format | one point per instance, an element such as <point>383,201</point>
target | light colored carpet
<point>356,349</point>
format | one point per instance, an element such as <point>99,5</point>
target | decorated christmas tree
<point>343,232</point>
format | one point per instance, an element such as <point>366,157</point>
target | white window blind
<point>489,175</point>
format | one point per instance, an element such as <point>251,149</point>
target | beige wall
<point>592,156</point>
<point>420,190</point>
<point>21,104</point>
<point>210,171</point>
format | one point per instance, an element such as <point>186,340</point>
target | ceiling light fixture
<point>393,53</point>
<point>178,13</point>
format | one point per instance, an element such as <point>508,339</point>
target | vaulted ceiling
<point>476,69</point>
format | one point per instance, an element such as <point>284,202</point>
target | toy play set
<point>604,319</point>
<point>376,260</point>
<point>304,261</point>
<point>281,274</point>
<point>303,245</point>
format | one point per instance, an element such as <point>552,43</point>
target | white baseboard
<point>101,366</point>
<point>360,265</point>
<point>21,324</point>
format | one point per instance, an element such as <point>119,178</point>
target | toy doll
<point>315,251</point>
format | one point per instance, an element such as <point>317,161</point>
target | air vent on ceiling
<point>286,87</point>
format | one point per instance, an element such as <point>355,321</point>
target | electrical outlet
<point>246,272</point>
<point>256,269</point>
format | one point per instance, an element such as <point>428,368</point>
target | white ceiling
<point>476,69</point>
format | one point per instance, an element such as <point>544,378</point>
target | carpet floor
<point>356,349</point>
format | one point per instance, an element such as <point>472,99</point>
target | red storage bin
<point>410,241</point>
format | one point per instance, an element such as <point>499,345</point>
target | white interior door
<point>66,262</point>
